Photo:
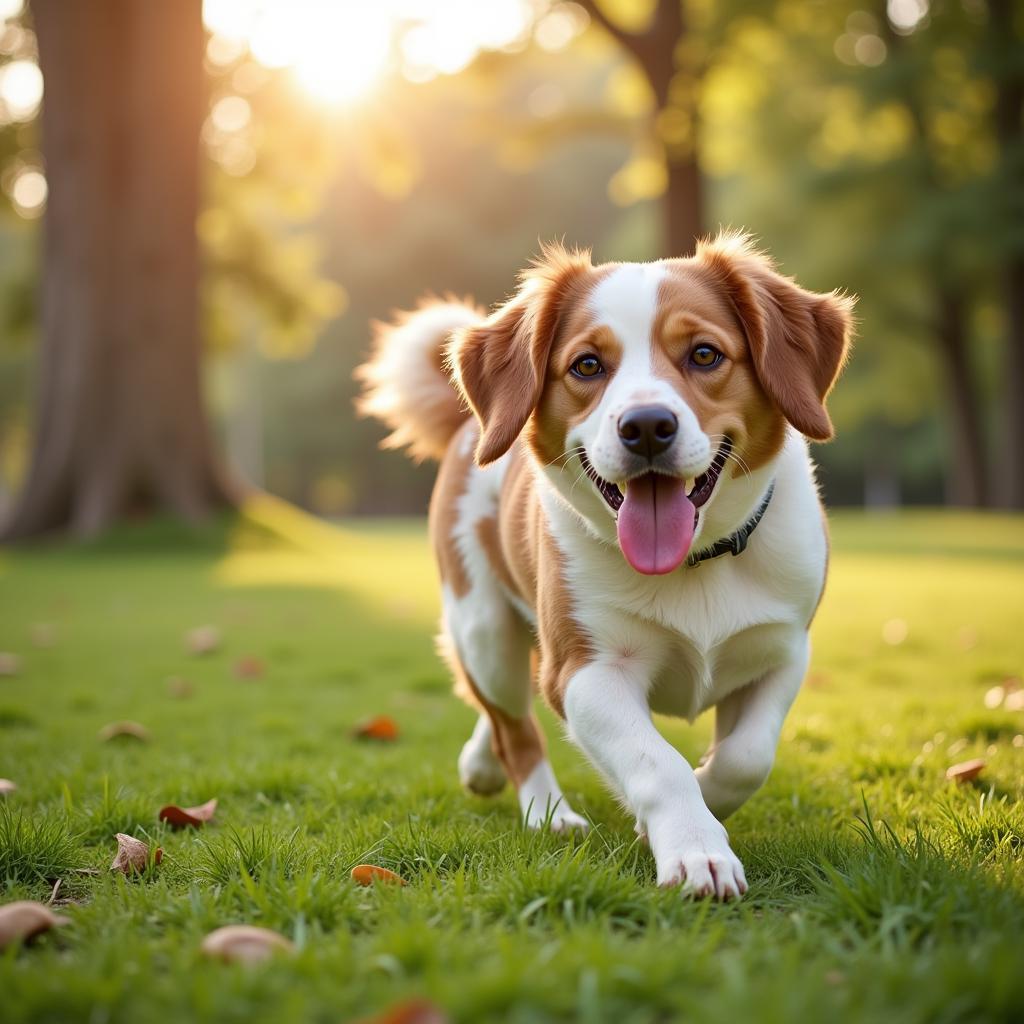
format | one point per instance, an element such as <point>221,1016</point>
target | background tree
<point>120,424</point>
<point>669,54</point>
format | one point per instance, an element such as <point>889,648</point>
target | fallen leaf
<point>10,664</point>
<point>56,889</point>
<point>202,640</point>
<point>965,771</point>
<point>6,786</point>
<point>133,855</point>
<point>413,1011</point>
<point>245,943</point>
<point>249,667</point>
<point>378,728</point>
<point>44,634</point>
<point>182,817</point>
<point>179,688</point>
<point>369,874</point>
<point>24,919</point>
<point>126,729</point>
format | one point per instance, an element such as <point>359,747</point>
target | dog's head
<point>635,385</point>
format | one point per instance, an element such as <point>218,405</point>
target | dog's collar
<point>735,543</point>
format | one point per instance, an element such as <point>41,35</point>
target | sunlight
<point>338,53</point>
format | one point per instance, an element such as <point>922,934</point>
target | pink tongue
<point>656,523</point>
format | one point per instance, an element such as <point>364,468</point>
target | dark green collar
<point>735,543</point>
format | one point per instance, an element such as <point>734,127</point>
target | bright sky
<point>338,51</point>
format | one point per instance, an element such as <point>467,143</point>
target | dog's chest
<point>716,633</point>
<point>695,677</point>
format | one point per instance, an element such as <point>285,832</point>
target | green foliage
<point>878,890</point>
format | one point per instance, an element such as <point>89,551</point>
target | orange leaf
<point>244,943</point>
<point>181,817</point>
<point>133,855</point>
<point>965,771</point>
<point>130,730</point>
<point>249,667</point>
<point>368,874</point>
<point>22,920</point>
<point>414,1011</point>
<point>379,728</point>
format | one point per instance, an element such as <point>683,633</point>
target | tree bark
<point>655,50</point>
<point>120,425</point>
<point>965,471</point>
<point>1009,123</point>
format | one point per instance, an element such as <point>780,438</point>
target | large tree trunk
<point>684,206</point>
<point>675,90</point>
<point>1011,465</point>
<point>965,470</point>
<point>120,426</point>
<point>1009,120</point>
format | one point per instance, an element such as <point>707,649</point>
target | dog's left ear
<point>798,339</point>
<point>500,364</point>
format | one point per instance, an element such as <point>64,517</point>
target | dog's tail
<point>406,381</point>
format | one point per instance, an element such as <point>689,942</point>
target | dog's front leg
<point>608,716</point>
<point>747,727</point>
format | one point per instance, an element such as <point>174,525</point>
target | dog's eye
<point>705,357</point>
<point>587,366</point>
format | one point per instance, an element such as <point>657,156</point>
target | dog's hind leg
<point>488,646</point>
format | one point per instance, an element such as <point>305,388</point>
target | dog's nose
<point>648,430</point>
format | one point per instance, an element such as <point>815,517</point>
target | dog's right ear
<point>500,364</point>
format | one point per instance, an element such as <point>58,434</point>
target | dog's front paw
<point>702,864</point>
<point>561,818</point>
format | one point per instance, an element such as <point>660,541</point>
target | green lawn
<point>879,891</point>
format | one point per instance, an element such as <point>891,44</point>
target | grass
<point>879,891</point>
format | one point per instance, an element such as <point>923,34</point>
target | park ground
<point>879,890</point>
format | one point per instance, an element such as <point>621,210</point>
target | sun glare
<point>340,51</point>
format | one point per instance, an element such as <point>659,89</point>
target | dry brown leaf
<point>22,920</point>
<point>10,664</point>
<point>53,894</point>
<point>378,728</point>
<point>182,817</point>
<point>6,786</point>
<point>125,729</point>
<point>44,634</point>
<point>179,688</point>
<point>369,874</point>
<point>202,640</point>
<point>133,855</point>
<point>245,943</point>
<point>413,1011</point>
<point>965,771</point>
<point>249,667</point>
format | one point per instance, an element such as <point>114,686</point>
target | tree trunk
<point>1011,465</point>
<point>965,472</point>
<point>655,51</point>
<point>684,206</point>
<point>1009,122</point>
<point>120,426</point>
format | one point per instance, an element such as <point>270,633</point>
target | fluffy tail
<point>406,382</point>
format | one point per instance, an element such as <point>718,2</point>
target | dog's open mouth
<point>657,516</point>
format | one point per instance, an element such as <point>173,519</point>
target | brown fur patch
<point>729,398</point>
<point>500,365</point>
<point>444,509</point>
<point>798,339</point>
<point>564,644</point>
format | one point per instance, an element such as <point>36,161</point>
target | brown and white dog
<point>631,421</point>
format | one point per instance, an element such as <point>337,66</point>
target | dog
<point>625,517</point>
